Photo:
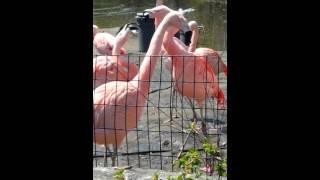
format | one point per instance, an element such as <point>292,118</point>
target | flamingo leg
<point>174,100</point>
<point>114,156</point>
<point>105,155</point>
<point>193,110</point>
<point>203,122</point>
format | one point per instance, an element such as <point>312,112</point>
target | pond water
<point>211,14</point>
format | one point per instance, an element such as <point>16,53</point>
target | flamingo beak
<point>187,11</point>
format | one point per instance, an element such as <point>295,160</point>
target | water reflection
<point>212,14</point>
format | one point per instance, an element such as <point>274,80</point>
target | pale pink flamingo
<point>195,36</point>
<point>104,42</point>
<point>121,59</point>
<point>105,70</point>
<point>160,11</point>
<point>115,67</point>
<point>118,105</point>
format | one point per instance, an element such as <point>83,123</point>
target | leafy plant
<point>210,149</point>
<point>190,161</point>
<point>118,174</point>
<point>155,176</point>
<point>181,176</point>
<point>221,167</point>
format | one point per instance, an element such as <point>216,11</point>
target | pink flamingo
<point>118,105</point>
<point>118,57</point>
<point>193,76</point>
<point>195,73</point>
<point>213,57</point>
<point>105,70</point>
<point>192,46</point>
<point>195,36</point>
<point>111,68</point>
<point>160,11</point>
<point>204,71</point>
<point>104,42</point>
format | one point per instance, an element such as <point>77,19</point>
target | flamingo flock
<point>121,89</point>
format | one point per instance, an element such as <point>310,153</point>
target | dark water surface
<point>212,14</point>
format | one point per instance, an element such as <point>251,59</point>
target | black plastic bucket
<point>184,37</point>
<point>146,30</point>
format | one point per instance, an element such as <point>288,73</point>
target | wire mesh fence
<point>153,129</point>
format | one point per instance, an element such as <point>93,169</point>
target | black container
<point>146,30</point>
<point>184,37</point>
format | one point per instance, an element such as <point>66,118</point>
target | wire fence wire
<point>161,133</point>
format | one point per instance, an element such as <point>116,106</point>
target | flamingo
<point>194,77</point>
<point>192,46</point>
<point>213,56</point>
<point>105,70</point>
<point>194,73</point>
<point>195,36</point>
<point>118,105</point>
<point>111,68</point>
<point>160,11</point>
<point>214,59</point>
<point>104,42</point>
<point>118,57</point>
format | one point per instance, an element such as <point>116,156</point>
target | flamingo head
<point>158,12</point>
<point>193,25</point>
<point>177,20</point>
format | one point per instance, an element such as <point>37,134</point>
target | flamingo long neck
<point>175,46</point>
<point>142,79</point>
<point>194,40</point>
<point>168,40</point>
<point>117,49</point>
